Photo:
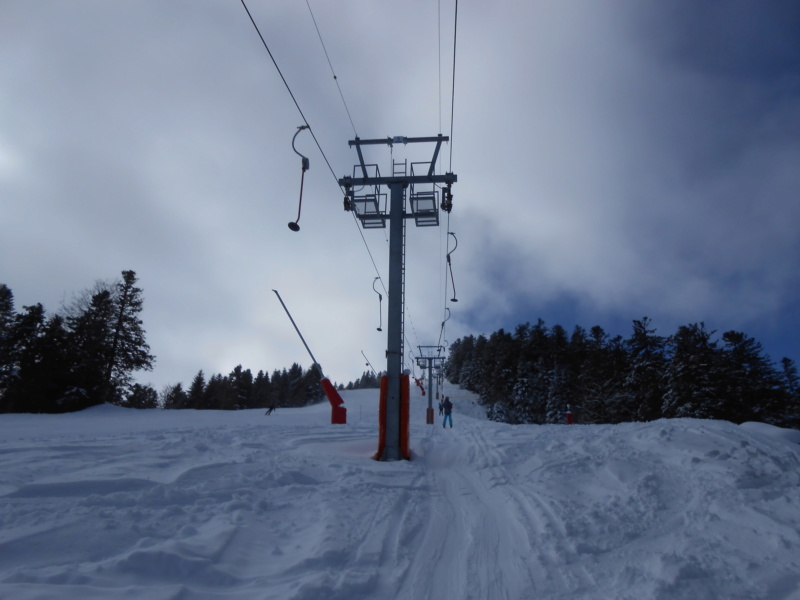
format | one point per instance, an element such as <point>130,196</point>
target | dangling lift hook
<point>450,266</point>
<point>305,166</point>
<point>380,304</point>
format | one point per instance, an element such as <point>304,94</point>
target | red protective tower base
<point>569,417</point>
<point>338,412</point>
<point>429,416</point>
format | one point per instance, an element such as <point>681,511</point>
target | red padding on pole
<point>382,418</point>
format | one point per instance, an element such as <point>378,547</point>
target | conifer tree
<point>91,342</point>
<point>22,344</point>
<point>241,384</point>
<point>108,339</point>
<point>751,384</point>
<point>6,352</point>
<point>219,394</point>
<point>789,374</point>
<point>692,374</point>
<point>645,381</point>
<point>197,391</point>
<point>174,397</point>
<point>460,353</point>
<point>791,385</point>
<point>129,351</point>
<point>262,389</point>
<point>142,396</point>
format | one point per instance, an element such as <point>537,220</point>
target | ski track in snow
<point>185,505</point>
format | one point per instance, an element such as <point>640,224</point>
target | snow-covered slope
<point>112,503</point>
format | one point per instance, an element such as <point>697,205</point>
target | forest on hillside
<point>82,356</point>
<point>538,373</point>
<point>88,353</point>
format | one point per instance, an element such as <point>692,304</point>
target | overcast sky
<point>615,159</point>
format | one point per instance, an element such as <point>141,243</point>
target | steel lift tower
<point>417,190</point>
<point>431,361</point>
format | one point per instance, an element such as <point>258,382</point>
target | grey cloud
<point>611,160</point>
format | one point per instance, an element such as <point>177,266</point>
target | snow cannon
<point>338,412</point>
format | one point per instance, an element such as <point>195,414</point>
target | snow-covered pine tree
<point>645,379</point>
<point>129,351</point>
<point>693,374</point>
<point>752,388</point>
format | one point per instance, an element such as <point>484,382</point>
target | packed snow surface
<point>114,503</point>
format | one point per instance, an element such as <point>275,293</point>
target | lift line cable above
<point>311,130</point>
<point>453,95</point>
<point>336,79</point>
<point>274,62</point>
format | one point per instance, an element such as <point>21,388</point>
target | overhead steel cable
<point>307,124</point>
<point>336,79</point>
<point>377,272</point>
<point>439,31</point>
<point>274,62</point>
<point>300,110</point>
<point>452,119</point>
<point>453,94</point>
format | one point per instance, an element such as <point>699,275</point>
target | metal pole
<point>298,333</point>
<point>430,383</point>
<point>394,343</point>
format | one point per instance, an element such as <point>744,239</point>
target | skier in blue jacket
<point>448,412</point>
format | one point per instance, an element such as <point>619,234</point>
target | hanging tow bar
<point>380,304</point>
<point>441,331</point>
<point>450,266</point>
<point>305,165</point>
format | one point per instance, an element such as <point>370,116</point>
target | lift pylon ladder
<point>370,208</point>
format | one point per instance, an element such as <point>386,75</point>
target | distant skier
<point>448,412</point>
<point>441,408</point>
<point>271,409</point>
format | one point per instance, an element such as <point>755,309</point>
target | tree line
<point>85,355</point>
<point>368,380</point>
<point>88,353</point>
<point>537,373</point>
<point>239,390</point>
